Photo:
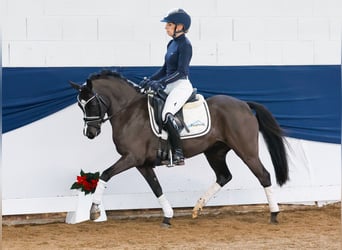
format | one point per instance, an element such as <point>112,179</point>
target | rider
<point>172,77</point>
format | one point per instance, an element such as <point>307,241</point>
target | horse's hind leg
<point>264,178</point>
<point>216,156</point>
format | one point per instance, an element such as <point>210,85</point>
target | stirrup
<point>178,158</point>
<point>179,162</point>
<point>175,159</point>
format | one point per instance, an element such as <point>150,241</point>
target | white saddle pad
<point>196,117</point>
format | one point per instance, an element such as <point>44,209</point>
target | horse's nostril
<point>90,136</point>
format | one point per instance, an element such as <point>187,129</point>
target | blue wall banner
<point>305,100</point>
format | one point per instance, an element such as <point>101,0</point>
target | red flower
<point>86,182</point>
<point>81,179</point>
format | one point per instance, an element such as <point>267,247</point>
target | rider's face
<point>170,28</point>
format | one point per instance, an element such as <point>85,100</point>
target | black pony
<point>235,125</point>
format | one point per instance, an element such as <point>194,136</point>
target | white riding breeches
<point>178,93</point>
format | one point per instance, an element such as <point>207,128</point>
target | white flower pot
<point>82,211</point>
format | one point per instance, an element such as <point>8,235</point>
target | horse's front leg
<point>151,178</point>
<point>124,163</point>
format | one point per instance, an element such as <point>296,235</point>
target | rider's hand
<point>145,83</point>
<point>156,85</point>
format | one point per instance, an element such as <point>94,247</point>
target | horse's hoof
<point>95,211</point>
<point>274,220</point>
<point>166,223</point>
<point>196,212</point>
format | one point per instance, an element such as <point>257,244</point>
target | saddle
<point>157,103</point>
<point>193,119</point>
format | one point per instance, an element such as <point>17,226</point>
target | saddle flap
<point>157,104</point>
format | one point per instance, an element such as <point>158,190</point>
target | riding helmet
<point>178,16</point>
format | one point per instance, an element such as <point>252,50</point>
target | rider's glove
<point>145,83</point>
<point>156,85</point>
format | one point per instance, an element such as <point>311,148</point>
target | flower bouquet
<point>86,182</point>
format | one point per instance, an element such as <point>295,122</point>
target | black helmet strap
<point>175,32</point>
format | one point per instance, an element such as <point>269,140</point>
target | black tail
<point>273,136</point>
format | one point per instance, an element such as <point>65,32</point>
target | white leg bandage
<point>167,209</point>
<point>271,200</point>
<point>208,195</point>
<point>97,196</point>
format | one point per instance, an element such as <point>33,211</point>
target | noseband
<point>102,108</point>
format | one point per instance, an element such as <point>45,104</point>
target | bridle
<point>102,106</point>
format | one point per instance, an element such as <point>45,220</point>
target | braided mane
<point>105,74</point>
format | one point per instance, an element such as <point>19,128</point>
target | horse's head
<point>94,108</point>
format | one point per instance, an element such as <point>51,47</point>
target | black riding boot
<point>174,139</point>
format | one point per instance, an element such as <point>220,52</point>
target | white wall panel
<point>286,8</point>
<point>248,29</point>
<point>70,8</point>
<point>298,53</point>
<point>232,53</point>
<point>289,22</point>
<point>216,29</point>
<point>80,29</point>
<point>266,53</point>
<point>15,28</point>
<point>313,29</point>
<point>266,29</point>
<point>325,8</point>
<point>116,28</point>
<point>24,7</point>
<point>265,8</point>
<point>273,53</point>
<point>95,53</point>
<point>195,31</point>
<point>120,8</point>
<point>133,54</point>
<point>44,28</point>
<point>200,8</point>
<point>242,8</point>
<point>78,53</point>
<point>147,29</point>
<point>158,50</point>
<point>24,53</point>
<point>335,29</point>
<point>5,53</point>
<point>204,53</point>
<point>280,29</point>
<point>159,9</point>
<point>327,51</point>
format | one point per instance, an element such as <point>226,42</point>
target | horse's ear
<point>75,85</point>
<point>89,84</point>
